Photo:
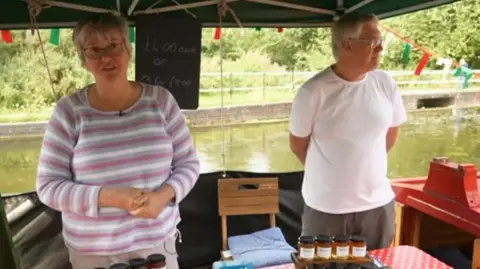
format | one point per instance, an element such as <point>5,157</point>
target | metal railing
<point>268,81</point>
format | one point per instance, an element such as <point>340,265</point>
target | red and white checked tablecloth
<point>407,257</point>
<point>401,257</point>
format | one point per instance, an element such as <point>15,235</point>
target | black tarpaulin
<point>38,241</point>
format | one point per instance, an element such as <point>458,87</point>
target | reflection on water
<point>264,148</point>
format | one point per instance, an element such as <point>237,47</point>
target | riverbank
<point>263,148</point>
<point>271,112</point>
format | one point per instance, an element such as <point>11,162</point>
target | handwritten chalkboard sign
<point>168,52</point>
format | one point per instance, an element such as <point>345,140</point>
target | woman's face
<point>106,55</point>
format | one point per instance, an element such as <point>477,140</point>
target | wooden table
<point>400,257</point>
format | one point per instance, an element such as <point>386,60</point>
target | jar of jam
<point>119,266</point>
<point>138,263</point>
<point>155,261</point>
<point>323,247</point>
<point>341,247</point>
<point>358,247</point>
<point>306,247</point>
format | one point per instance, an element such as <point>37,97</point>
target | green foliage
<point>450,30</point>
<point>24,76</point>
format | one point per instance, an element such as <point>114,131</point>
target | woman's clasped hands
<point>149,205</point>
<point>138,202</point>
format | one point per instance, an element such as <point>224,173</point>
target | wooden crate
<point>247,196</point>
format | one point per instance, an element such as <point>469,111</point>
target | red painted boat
<point>441,209</point>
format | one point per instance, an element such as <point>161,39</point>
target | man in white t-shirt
<point>343,122</point>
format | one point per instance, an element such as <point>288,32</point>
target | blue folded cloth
<point>232,265</point>
<point>263,248</point>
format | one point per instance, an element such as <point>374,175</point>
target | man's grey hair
<point>101,25</point>
<point>348,26</point>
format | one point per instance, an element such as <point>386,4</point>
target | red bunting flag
<point>422,64</point>
<point>280,29</point>
<point>7,36</point>
<point>218,33</point>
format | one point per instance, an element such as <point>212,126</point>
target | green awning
<point>14,14</point>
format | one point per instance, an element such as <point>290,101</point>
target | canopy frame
<point>133,11</point>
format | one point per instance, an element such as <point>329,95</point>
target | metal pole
<point>263,90</point>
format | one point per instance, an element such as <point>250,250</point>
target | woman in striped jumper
<point>117,157</point>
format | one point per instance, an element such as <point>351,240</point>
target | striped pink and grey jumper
<point>84,149</point>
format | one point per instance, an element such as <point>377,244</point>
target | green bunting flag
<point>131,34</point>
<point>406,53</point>
<point>465,74</point>
<point>55,36</point>
<point>258,29</point>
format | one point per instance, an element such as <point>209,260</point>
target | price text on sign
<point>152,45</point>
<point>169,56</point>
<point>167,83</point>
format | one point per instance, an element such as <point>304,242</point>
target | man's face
<point>364,52</point>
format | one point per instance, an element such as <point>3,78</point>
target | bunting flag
<point>7,36</point>
<point>422,64</point>
<point>55,36</point>
<point>218,33</point>
<point>386,43</point>
<point>258,29</point>
<point>131,34</point>
<point>465,74</point>
<point>406,53</point>
<point>280,29</point>
<point>447,64</point>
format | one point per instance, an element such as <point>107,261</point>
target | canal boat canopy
<point>16,14</point>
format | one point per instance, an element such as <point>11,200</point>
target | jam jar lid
<point>341,238</point>
<point>137,263</point>
<point>358,239</point>
<point>119,266</point>
<point>155,258</point>
<point>306,239</point>
<point>323,238</point>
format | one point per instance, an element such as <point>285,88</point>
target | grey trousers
<point>168,249</point>
<point>377,225</point>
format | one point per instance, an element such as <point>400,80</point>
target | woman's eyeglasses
<point>96,52</point>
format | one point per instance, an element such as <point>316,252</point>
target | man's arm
<point>399,116</point>
<point>299,146</point>
<point>392,135</point>
<point>301,122</point>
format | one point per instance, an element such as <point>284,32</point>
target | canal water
<point>264,148</point>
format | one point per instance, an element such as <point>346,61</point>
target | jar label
<point>307,253</point>
<point>324,252</point>
<point>342,251</point>
<point>359,251</point>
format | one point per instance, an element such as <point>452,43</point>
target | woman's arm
<point>185,164</point>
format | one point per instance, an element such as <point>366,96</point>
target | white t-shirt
<point>346,163</point>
